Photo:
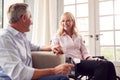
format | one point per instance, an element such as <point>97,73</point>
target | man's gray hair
<point>15,11</point>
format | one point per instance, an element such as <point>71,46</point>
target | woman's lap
<point>97,68</point>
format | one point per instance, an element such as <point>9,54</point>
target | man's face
<point>26,21</point>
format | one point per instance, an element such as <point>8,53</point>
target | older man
<point>15,49</point>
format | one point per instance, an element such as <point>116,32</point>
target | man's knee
<point>54,77</point>
<point>63,77</point>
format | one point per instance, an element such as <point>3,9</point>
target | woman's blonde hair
<point>70,16</point>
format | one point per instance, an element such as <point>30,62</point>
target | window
<point>1,13</point>
<point>98,22</point>
<point>109,17</point>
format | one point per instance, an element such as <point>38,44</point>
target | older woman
<point>68,41</point>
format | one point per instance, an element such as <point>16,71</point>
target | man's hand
<point>63,69</point>
<point>57,49</point>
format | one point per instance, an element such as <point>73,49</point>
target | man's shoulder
<point>4,33</point>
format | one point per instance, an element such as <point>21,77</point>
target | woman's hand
<point>96,59</point>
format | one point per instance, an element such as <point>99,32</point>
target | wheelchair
<point>76,76</point>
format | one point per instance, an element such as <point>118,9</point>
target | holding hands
<point>57,49</point>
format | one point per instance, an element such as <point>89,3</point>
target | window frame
<point>2,14</point>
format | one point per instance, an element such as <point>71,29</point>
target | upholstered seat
<point>46,59</point>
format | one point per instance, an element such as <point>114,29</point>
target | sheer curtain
<point>44,22</point>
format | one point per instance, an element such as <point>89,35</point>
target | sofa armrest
<point>46,59</point>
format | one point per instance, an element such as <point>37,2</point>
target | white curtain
<point>44,22</point>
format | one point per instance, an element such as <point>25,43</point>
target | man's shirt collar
<point>15,32</point>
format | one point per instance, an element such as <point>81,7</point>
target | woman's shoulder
<point>79,35</point>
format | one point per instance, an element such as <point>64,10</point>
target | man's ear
<point>23,17</point>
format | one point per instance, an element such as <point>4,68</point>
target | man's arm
<point>39,48</point>
<point>60,69</point>
<point>45,48</point>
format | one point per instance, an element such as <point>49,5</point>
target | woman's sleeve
<point>83,49</point>
<point>55,40</point>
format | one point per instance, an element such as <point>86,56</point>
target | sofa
<point>46,59</point>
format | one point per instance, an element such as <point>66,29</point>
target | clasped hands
<point>57,49</point>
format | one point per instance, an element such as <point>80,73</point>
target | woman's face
<point>67,23</point>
